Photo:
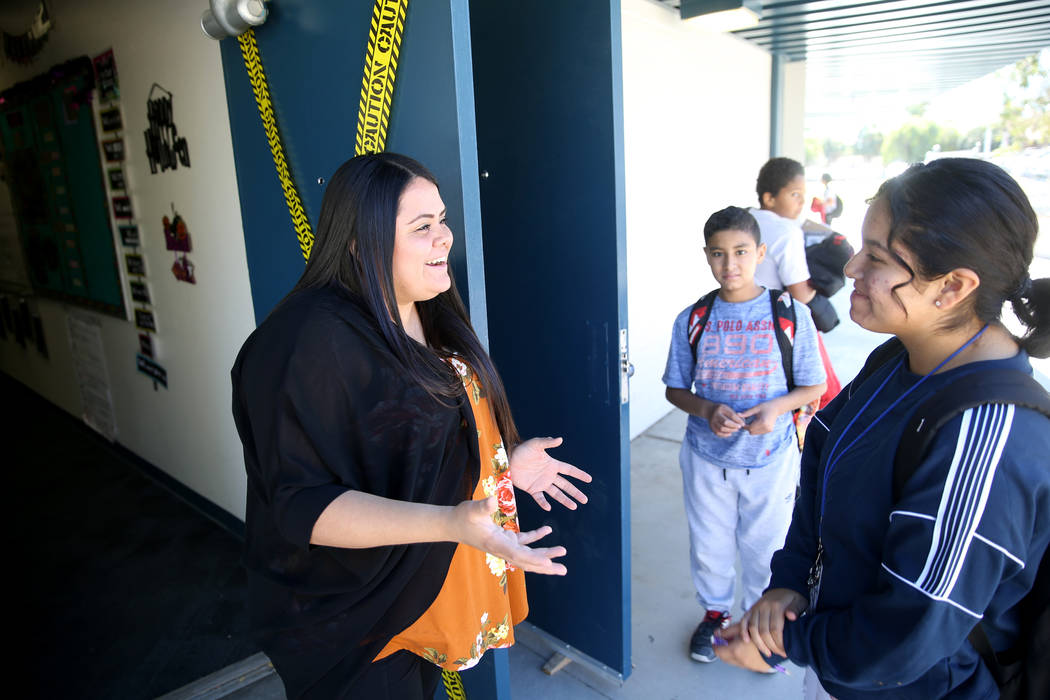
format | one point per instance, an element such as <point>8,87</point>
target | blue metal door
<point>547,86</point>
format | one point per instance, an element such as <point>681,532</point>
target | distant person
<point>831,204</point>
<point>888,584</point>
<point>382,537</point>
<point>781,190</point>
<point>740,457</point>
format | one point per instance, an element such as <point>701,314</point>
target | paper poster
<point>110,119</point>
<point>139,291</point>
<point>89,361</point>
<point>116,179</point>
<point>135,264</point>
<point>106,76</point>
<point>151,369</point>
<point>145,320</point>
<point>129,236</point>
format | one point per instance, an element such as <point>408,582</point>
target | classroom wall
<point>696,131</point>
<point>187,429</point>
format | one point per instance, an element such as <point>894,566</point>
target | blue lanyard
<point>833,460</point>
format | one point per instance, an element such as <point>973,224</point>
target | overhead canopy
<point>907,50</point>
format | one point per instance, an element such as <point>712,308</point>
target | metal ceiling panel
<point>908,49</point>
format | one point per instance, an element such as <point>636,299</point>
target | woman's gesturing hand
<point>763,624</point>
<point>534,471</point>
<point>473,525</point>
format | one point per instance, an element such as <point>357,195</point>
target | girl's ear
<point>955,287</point>
<point>767,200</point>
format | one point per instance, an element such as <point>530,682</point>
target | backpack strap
<point>784,330</point>
<point>698,316</point>
<point>993,386</point>
<point>783,325</point>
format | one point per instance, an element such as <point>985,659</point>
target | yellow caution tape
<point>253,64</point>
<point>377,83</point>
<point>453,685</point>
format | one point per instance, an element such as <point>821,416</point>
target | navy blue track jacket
<point>904,582</point>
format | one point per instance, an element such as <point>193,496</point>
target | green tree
<point>869,143</point>
<point>813,151</point>
<point>915,138</point>
<point>833,149</point>
<point>1026,114</point>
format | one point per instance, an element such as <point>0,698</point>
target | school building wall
<point>792,139</point>
<point>696,131</point>
<point>187,429</point>
<point>696,120</point>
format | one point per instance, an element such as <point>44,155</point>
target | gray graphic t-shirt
<point>738,363</point>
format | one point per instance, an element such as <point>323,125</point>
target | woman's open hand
<point>473,525</point>
<point>763,624</point>
<point>534,471</point>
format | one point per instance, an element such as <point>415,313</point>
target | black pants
<point>400,676</point>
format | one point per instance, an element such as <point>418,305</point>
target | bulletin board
<point>51,158</point>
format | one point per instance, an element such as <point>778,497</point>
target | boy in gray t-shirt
<point>739,457</point>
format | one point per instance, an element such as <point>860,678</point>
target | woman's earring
<point>937,303</point>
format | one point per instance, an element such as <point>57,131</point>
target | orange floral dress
<point>483,597</point>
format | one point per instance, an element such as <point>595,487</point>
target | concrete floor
<point>664,607</point>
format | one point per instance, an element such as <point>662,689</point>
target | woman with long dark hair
<point>887,573</point>
<point>382,540</point>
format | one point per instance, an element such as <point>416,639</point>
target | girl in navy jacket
<point>876,592</point>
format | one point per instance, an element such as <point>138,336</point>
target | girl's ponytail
<point>1031,304</point>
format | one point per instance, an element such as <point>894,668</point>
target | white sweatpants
<point>730,510</point>
<point>811,687</point>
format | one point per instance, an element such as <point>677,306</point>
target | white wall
<point>792,140</point>
<point>696,131</point>
<point>186,429</point>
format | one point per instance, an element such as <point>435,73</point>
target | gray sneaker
<point>700,645</point>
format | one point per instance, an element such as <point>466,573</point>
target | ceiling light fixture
<point>722,15</point>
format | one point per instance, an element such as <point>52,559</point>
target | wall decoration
<point>116,179</point>
<point>176,235</point>
<point>23,318</point>
<point>144,320</point>
<point>89,360</point>
<point>135,264</point>
<point>164,147</point>
<point>183,270</point>
<point>122,207</point>
<point>53,163</point>
<point>139,291</point>
<point>23,48</point>
<point>146,344</point>
<point>9,316</point>
<point>106,76</point>
<point>113,150</point>
<point>129,235</point>
<point>38,332</point>
<point>177,239</point>
<point>151,369</point>
<point>111,120</point>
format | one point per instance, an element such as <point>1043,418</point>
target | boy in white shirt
<point>781,189</point>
